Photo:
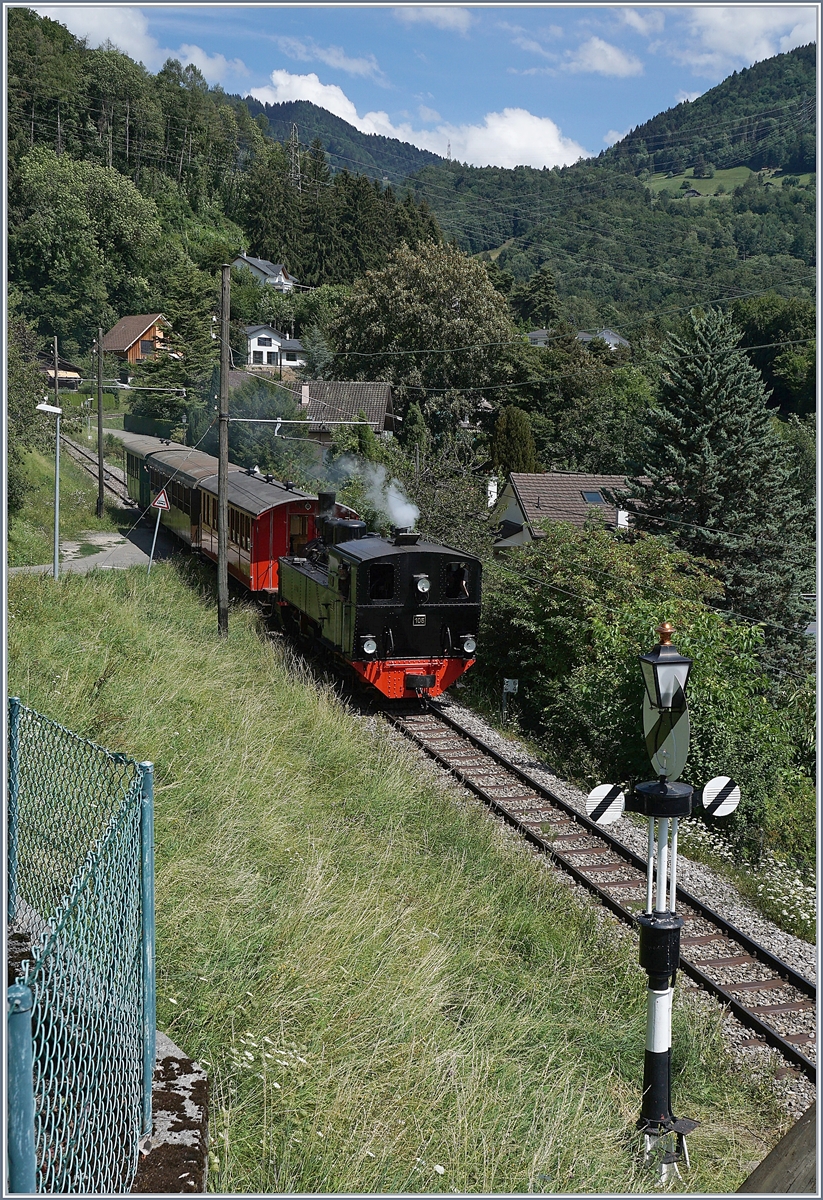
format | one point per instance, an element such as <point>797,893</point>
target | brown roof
<point>343,402</point>
<point>128,330</point>
<point>558,496</point>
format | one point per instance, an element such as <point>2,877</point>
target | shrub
<point>568,614</point>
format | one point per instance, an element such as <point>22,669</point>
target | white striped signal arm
<point>605,804</point>
<point>721,796</point>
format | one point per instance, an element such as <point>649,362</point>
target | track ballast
<point>766,994</point>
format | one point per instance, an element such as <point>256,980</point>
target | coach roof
<point>254,494</point>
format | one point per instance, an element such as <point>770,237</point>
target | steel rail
<point>782,970</point>
<point>89,463</point>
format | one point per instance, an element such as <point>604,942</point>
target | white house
<point>273,274</point>
<point>270,349</point>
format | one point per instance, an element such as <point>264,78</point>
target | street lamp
<point>58,412</point>
<point>665,672</point>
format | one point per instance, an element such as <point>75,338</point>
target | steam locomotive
<point>401,613</point>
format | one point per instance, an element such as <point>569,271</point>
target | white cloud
<point>647,22</point>
<point>681,96</point>
<point>524,43</point>
<point>333,56</point>
<point>513,137</point>
<point>602,58</point>
<point>456,20</point>
<point>428,114</point>
<point>720,39</point>
<point>127,28</point>
<point>613,136</point>
<point>215,67</point>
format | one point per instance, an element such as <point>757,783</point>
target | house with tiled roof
<point>528,500</point>
<point>328,402</point>
<point>137,338</point>
<point>69,374</point>
<point>272,274</point>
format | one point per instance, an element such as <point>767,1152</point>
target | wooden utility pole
<point>99,422</point>
<point>223,461</point>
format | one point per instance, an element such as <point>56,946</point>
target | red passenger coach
<point>267,519</point>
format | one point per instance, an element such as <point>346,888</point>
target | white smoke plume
<point>386,496</point>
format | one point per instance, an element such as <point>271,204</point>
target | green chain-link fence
<point>81,912</point>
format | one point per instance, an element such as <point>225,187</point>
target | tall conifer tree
<point>719,484</point>
<point>513,443</point>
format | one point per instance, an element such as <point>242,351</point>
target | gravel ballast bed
<point>703,882</point>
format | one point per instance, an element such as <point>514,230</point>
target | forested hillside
<point>624,253</point>
<point>127,189</point>
<point>348,149</point>
<point>763,116</point>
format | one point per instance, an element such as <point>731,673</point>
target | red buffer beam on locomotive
<point>403,613</point>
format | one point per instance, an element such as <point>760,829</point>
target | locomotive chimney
<point>404,537</point>
<point>325,504</point>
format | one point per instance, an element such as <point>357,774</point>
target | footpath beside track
<point>767,995</point>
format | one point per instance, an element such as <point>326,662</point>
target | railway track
<point>114,481</point>
<point>768,996</point>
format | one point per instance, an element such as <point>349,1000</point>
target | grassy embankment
<point>389,993</point>
<point>31,531</point>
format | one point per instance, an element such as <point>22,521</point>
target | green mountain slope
<point>348,149</point>
<point>761,117</point>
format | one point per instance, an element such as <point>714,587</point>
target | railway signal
<point>510,687</point>
<point>664,801</point>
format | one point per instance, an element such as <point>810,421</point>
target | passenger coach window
<point>457,581</point>
<point>381,581</point>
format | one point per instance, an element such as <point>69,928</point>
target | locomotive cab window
<point>381,581</point>
<point>457,581</point>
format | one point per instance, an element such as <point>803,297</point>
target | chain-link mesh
<point>75,890</point>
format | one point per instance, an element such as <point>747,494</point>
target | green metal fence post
<point>147,906</point>
<point>14,801</point>
<point>22,1162</point>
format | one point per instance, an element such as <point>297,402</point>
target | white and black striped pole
<point>663,802</point>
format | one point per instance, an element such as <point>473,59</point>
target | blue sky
<point>500,84</point>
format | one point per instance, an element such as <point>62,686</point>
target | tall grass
<point>31,531</point>
<point>389,993</point>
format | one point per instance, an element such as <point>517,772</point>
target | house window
<point>291,356</point>
<point>593,498</point>
<point>146,348</point>
<point>271,357</point>
<point>257,356</point>
<point>264,341</point>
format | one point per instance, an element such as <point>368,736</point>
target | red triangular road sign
<point>161,500</point>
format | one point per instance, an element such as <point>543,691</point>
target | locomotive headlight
<point>369,645</point>
<point>469,645</point>
<point>423,584</point>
